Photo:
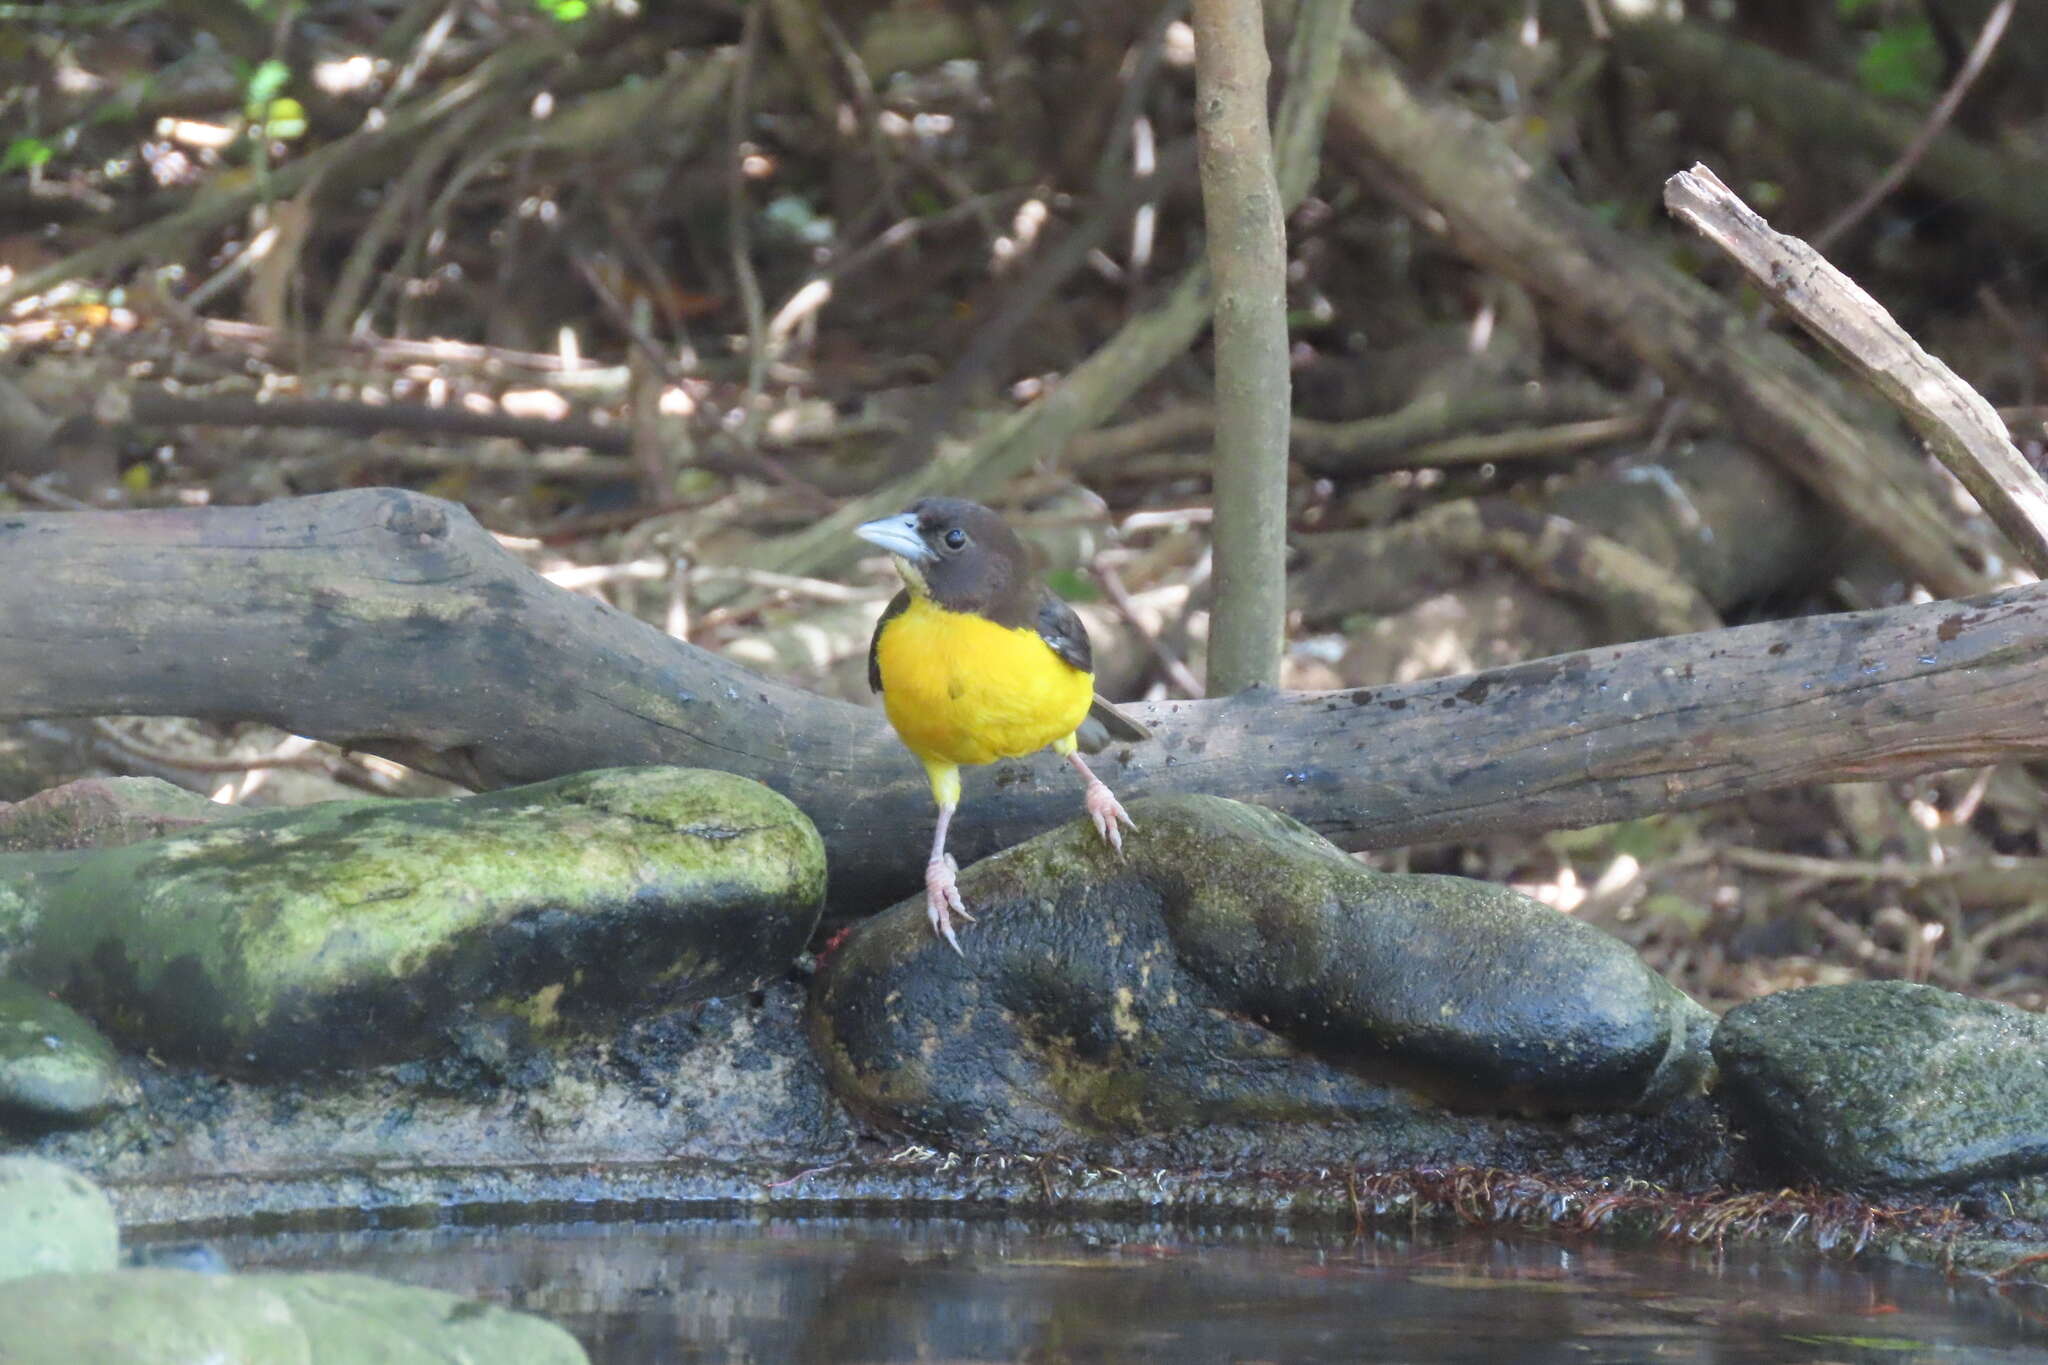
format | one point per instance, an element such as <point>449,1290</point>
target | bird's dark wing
<point>896,607</point>
<point>1060,628</point>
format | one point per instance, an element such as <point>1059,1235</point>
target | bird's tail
<point>1106,725</point>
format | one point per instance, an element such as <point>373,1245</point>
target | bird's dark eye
<point>956,539</point>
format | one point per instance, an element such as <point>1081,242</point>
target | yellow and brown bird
<point>977,660</point>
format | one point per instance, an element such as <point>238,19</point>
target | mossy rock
<point>52,1219</point>
<point>183,1317</point>
<point>56,1071</point>
<point>359,1320</point>
<point>361,931</point>
<point>1888,1085</point>
<point>1233,966</point>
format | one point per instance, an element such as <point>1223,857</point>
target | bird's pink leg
<point>941,892</point>
<point>1103,807</point>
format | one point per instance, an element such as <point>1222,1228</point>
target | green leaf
<point>24,153</point>
<point>1650,838</point>
<point>1665,905</point>
<point>266,82</point>
<point>1074,585</point>
<point>283,120</point>
<point>1901,62</point>
<point>1860,1343</point>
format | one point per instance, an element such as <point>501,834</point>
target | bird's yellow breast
<point>961,689</point>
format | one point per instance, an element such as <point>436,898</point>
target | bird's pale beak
<point>898,535</point>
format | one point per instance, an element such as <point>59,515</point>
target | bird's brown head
<point>959,554</point>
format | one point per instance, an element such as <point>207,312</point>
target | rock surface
<point>181,1317</point>
<point>52,1220</point>
<point>354,932</point>
<point>56,1071</point>
<point>1232,966</point>
<point>1888,1085</point>
<point>103,812</point>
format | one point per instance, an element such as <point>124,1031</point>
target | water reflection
<point>858,1290</point>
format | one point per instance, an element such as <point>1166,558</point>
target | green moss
<point>55,1068</point>
<point>279,925</point>
<point>1230,966</point>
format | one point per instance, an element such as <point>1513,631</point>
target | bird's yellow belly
<point>961,689</point>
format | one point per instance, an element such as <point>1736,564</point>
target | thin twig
<point>1119,596</point>
<point>195,764</point>
<point>738,231</point>
<point>1937,119</point>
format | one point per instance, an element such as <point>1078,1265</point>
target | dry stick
<point>888,46</point>
<point>1039,284</point>
<point>1119,597</point>
<point>224,205</point>
<point>1315,54</point>
<point>1247,253</point>
<point>1083,399</point>
<point>1994,880</point>
<point>803,42</point>
<point>739,237</point>
<point>1528,443</point>
<point>1962,429</point>
<point>153,407</point>
<point>1463,179</point>
<point>1432,429</point>
<point>399,198</point>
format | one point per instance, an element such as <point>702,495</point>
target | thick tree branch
<point>392,622</point>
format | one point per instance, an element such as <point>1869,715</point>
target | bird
<point>978,660</point>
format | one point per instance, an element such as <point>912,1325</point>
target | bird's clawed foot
<point>1109,815</point>
<point>942,898</point>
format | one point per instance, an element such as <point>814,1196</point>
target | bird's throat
<point>913,577</point>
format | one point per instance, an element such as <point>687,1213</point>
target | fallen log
<point>392,623</point>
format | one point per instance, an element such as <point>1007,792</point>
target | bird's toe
<point>942,899</point>
<point>1109,816</point>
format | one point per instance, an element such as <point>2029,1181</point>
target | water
<point>948,1289</point>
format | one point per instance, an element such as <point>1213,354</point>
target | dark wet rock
<point>1887,1085</point>
<point>103,812</point>
<point>203,1257</point>
<point>56,1071</point>
<point>724,1086</point>
<point>52,1219</point>
<point>723,1101</point>
<point>353,932</point>
<point>179,1317</point>
<point>1234,967</point>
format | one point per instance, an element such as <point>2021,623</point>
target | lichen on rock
<point>355,932</point>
